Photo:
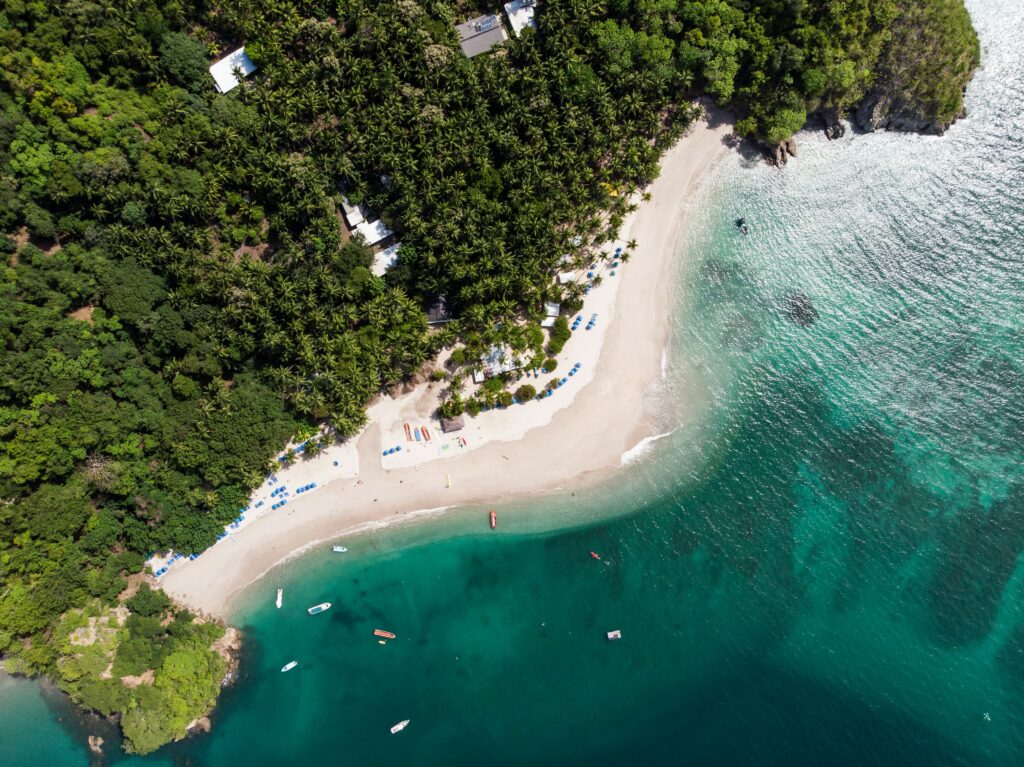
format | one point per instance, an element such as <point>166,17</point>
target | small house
<point>373,231</point>
<point>520,15</point>
<point>385,260</point>
<point>551,312</point>
<point>481,34</point>
<point>500,359</point>
<point>224,71</point>
<point>353,213</point>
<point>438,313</point>
<point>448,425</point>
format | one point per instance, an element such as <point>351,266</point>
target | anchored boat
<point>494,520</point>
<point>289,666</point>
<point>383,633</point>
<point>338,549</point>
<point>316,609</point>
<point>280,594</point>
<point>400,726</point>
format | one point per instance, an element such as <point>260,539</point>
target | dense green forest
<point>178,299</point>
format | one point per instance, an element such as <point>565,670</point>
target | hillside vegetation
<point>178,299</point>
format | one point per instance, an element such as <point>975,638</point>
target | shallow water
<point>823,568</point>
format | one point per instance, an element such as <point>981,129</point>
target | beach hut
<point>223,71</point>
<point>551,312</point>
<point>520,15</point>
<point>449,425</point>
<point>481,34</point>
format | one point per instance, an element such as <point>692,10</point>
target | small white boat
<point>338,549</point>
<point>617,634</point>
<point>316,609</point>
<point>289,666</point>
<point>280,595</point>
<point>400,726</point>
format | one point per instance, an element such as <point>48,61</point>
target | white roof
<point>223,71</point>
<point>566,277</point>
<point>500,359</point>
<point>384,260</point>
<point>551,309</point>
<point>520,15</point>
<point>353,215</point>
<point>373,231</point>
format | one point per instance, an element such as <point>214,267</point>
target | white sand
<point>585,429</point>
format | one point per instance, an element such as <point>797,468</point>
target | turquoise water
<point>822,566</point>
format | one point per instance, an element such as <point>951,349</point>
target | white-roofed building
<point>353,213</point>
<point>500,359</point>
<point>520,15</point>
<point>223,71</point>
<point>551,312</point>
<point>564,278</point>
<point>373,231</point>
<point>384,260</point>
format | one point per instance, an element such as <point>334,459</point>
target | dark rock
<point>834,127</point>
<point>800,309</point>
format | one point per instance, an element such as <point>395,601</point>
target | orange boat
<point>594,555</point>
<point>383,633</point>
<point>494,520</point>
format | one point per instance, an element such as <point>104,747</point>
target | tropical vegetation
<point>179,299</point>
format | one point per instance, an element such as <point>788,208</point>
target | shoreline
<point>571,442</point>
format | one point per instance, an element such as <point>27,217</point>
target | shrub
<point>525,393</point>
<point>184,60</point>
<point>505,399</point>
<point>560,333</point>
<point>439,375</point>
<point>473,407</point>
<point>550,364</point>
<point>147,601</point>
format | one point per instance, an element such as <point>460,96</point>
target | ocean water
<point>821,565</point>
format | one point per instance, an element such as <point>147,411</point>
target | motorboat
<point>317,609</point>
<point>400,726</point>
<point>289,666</point>
<point>338,549</point>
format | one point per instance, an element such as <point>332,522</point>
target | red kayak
<point>594,555</point>
<point>383,633</point>
<point>494,520</point>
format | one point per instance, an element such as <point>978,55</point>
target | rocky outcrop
<point>883,111</point>
<point>96,744</point>
<point>229,647</point>
<point>202,724</point>
<point>783,151</point>
<point>834,126</point>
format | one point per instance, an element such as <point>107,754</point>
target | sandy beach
<point>581,432</point>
